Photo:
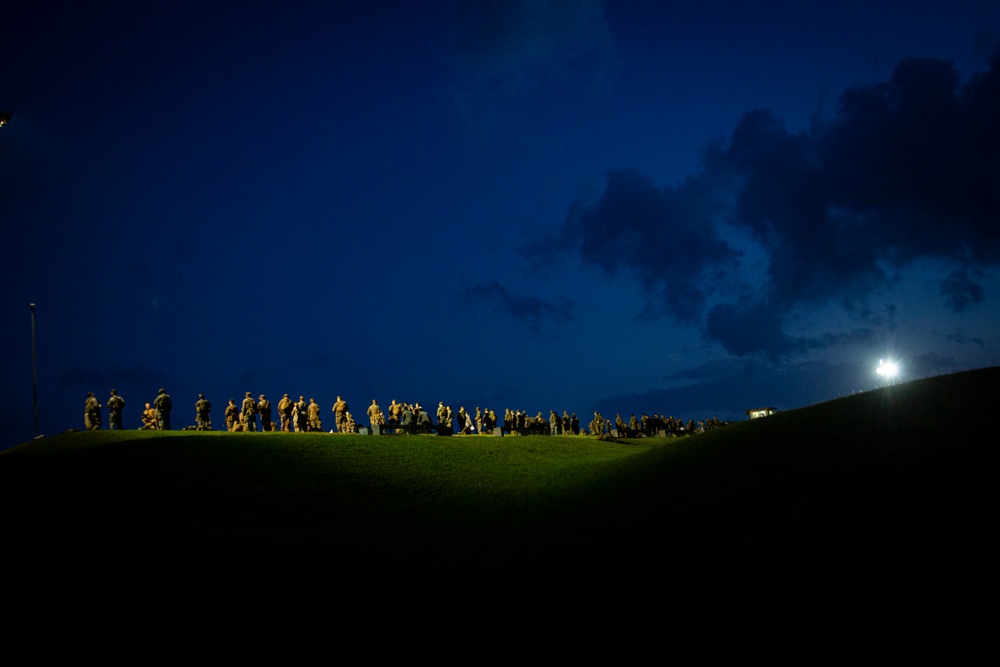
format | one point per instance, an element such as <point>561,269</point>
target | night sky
<point>680,208</point>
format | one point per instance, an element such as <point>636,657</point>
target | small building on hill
<point>760,412</point>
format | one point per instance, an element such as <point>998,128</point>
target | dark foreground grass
<point>881,484</point>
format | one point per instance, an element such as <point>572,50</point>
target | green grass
<point>890,476</point>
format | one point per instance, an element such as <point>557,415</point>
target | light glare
<point>887,369</point>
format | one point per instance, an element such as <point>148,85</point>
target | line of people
<point>302,417</point>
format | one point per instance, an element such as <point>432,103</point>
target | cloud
<point>529,309</point>
<point>960,338</point>
<point>960,291</point>
<point>664,237</point>
<point>907,169</point>
<point>746,329</point>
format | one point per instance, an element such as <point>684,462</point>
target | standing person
<point>315,423</point>
<point>92,413</point>
<point>201,409</point>
<point>340,409</point>
<point>444,424</point>
<point>301,411</point>
<point>248,413</point>
<point>264,408</point>
<point>285,413</point>
<point>163,407</point>
<point>464,421</point>
<point>115,405</point>
<point>232,415</point>
<point>375,416</point>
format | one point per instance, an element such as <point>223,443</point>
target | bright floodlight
<point>4,118</point>
<point>887,369</point>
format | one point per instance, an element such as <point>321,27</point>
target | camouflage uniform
<point>163,407</point>
<point>202,408</point>
<point>395,412</point>
<point>301,415</point>
<point>264,408</point>
<point>232,415</point>
<point>285,413</point>
<point>375,415</point>
<point>249,413</point>
<point>149,418</point>
<point>315,424</point>
<point>340,409</point>
<point>597,426</point>
<point>115,405</point>
<point>92,413</point>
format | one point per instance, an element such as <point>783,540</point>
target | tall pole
<point>34,369</point>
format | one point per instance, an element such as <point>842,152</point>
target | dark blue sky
<point>536,205</point>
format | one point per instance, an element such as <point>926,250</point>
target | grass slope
<point>865,483</point>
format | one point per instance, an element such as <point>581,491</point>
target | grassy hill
<point>889,482</point>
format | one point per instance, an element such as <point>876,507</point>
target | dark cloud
<point>961,338</point>
<point>664,237</point>
<point>745,329</point>
<point>919,158</point>
<point>960,291</point>
<point>531,310</point>
<point>905,170</point>
<point>884,318</point>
